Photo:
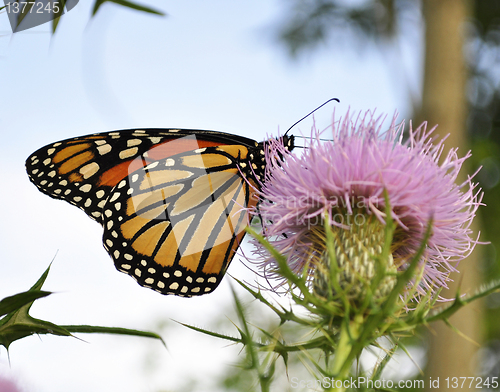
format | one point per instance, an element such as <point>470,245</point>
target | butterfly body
<point>171,201</point>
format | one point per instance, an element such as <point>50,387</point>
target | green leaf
<point>379,367</point>
<point>55,23</point>
<point>284,270</point>
<point>210,333</point>
<point>39,283</point>
<point>283,314</point>
<point>18,323</point>
<point>128,4</point>
<point>14,302</point>
<point>97,4</point>
<point>445,311</point>
<point>111,331</point>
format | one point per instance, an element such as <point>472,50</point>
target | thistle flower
<point>345,181</point>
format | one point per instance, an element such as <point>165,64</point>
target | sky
<point>207,65</point>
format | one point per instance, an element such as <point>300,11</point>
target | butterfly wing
<point>83,170</point>
<point>170,201</point>
<point>175,225</point>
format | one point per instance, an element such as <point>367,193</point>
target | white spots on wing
<point>195,290</point>
<point>200,150</point>
<point>135,177</point>
<point>161,285</point>
<point>47,161</point>
<point>115,196</point>
<point>128,256</point>
<point>174,286</point>
<point>151,165</point>
<point>122,184</point>
<point>133,142</point>
<point>126,266</point>
<point>77,199</point>
<point>169,162</point>
<point>104,149</point>
<point>52,173</point>
<point>89,170</point>
<point>86,188</point>
<point>50,151</point>
<point>178,273</point>
<point>128,153</point>
<point>212,280</point>
<point>100,193</point>
<point>118,206</point>
<point>155,139</point>
<point>88,202</point>
<point>138,272</point>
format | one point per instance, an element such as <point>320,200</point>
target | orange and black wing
<point>83,170</point>
<point>171,201</point>
<point>174,225</point>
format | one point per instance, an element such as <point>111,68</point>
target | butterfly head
<point>288,142</point>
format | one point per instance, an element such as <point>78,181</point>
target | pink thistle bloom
<point>345,180</point>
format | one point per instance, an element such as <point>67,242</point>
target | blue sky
<point>208,65</point>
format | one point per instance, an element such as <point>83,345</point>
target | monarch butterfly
<point>169,200</point>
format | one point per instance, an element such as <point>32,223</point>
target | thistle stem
<point>349,332</point>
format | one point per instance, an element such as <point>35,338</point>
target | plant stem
<point>349,332</point>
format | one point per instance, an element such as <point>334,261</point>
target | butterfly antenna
<point>308,137</point>
<point>308,114</point>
